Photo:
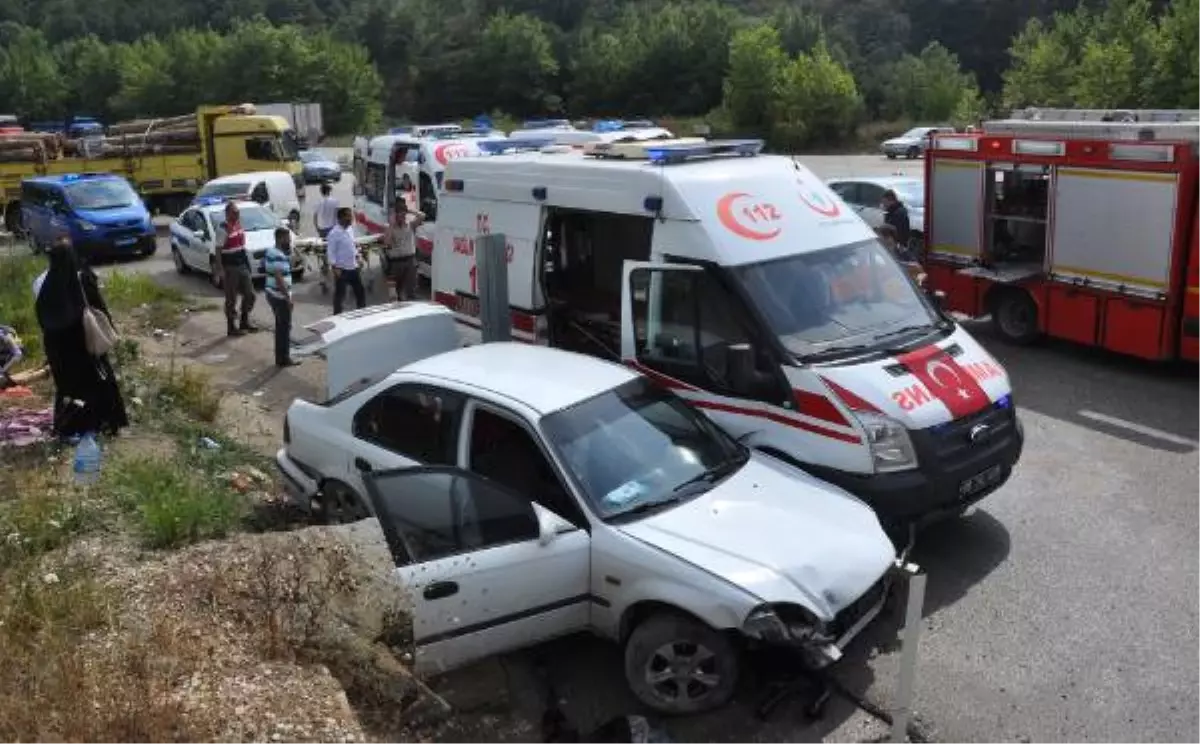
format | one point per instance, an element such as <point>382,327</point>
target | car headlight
<point>85,225</point>
<point>784,624</point>
<point>891,447</point>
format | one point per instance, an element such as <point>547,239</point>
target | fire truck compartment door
<point>1114,228</point>
<point>957,208</point>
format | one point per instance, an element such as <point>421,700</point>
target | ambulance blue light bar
<point>495,147</point>
<point>400,130</point>
<point>682,153</point>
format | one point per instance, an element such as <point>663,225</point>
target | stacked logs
<point>134,138</point>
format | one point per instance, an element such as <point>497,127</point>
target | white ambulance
<point>380,163</point>
<point>743,283</point>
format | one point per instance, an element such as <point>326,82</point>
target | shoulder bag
<point>98,333</point>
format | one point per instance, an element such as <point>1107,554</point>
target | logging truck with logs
<point>166,160</point>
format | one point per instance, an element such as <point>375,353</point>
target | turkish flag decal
<point>948,382</point>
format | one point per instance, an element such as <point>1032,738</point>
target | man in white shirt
<point>325,218</point>
<point>343,260</point>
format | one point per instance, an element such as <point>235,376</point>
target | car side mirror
<point>739,366</point>
<point>550,525</point>
<point>199,235</point>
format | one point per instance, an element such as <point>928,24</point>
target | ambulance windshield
<point>850,298</point>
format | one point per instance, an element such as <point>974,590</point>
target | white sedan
<point>865,193</point>
<point>197,232</point>
<point>526,493</point>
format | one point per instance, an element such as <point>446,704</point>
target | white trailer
<point>305,118</point>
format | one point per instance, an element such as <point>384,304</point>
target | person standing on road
<point>277,265</point>
<point>896,215</point>
<point>401,249</point>
<point>235,267</point>
<point>325,218</point>
<point>343,259</point>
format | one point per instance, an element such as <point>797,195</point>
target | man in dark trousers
<point>236,276</point>
<point>343,260</point>
<point>896,215</point>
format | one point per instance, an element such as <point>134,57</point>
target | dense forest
<point>802,72</point>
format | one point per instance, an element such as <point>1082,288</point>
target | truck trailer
<point>166,160</point>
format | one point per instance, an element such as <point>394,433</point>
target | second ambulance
<point>743,283</point>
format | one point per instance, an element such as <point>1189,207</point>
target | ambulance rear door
<point>456,272</point>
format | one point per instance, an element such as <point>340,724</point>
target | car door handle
<point>362,465</point>
<point>440,590</point>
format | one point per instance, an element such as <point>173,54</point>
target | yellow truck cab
<point>224,140</point>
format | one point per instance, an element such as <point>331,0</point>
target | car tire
<point>216,277</point>
<point>340,504</point>
<point>180,265</point>
<point>678,666</point>
<point>913,153</point>
<point>891,155</point>
<point>1015,317</point>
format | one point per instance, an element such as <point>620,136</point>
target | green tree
<point>756,67</point>
<point>1042,68</point>
<point>91,74</point>
<point>30,80</point>
<point>146,83</point>
<point>515,60</point>
<point>818,102</point>
<point>926,88</point>
<point>1175,52</point>
<point>1105,76</point>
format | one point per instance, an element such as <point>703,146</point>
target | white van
<point>275,190</point>
<point>743,283</point>
<point>381,162</point>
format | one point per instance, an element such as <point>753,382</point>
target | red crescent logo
<point>818,203</point>
<point>726,215</point>
<point>448,151</point>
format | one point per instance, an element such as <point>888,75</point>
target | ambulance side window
<point>685,324</point>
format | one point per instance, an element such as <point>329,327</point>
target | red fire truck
<point>1073,225</point>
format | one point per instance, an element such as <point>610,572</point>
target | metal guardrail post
<point>491,264</point>
<point>906,686</point>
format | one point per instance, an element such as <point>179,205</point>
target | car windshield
<point>915,133</point>
<point>911,193</point>
<point>638,447</point>
<point>850,298</point>
<point>253,219</point>
<point>108,194</point>
<point>227,189</point>
<point>312,156</point>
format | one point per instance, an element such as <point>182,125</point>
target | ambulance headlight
<point>891,447</point>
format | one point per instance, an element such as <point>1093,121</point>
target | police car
<point>197,233</point>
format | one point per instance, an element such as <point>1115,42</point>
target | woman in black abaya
<point>86,395</point>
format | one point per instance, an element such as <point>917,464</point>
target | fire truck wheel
<point>1015,316</point>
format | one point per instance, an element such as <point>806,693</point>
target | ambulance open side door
<point>680,330</point>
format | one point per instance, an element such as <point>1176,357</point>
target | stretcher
<point>316,259</point>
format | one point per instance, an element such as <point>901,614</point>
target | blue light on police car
<point>1005,402</point>
<point>653,203</point>
<point>539,193</point>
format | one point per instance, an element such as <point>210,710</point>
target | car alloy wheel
<point>341,505</point>
<point>677,665</point>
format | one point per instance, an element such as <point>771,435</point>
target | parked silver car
<point>912,143</point>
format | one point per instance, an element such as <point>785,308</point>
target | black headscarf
<point>60,303</point>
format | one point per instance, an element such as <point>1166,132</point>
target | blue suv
<point>100,212</point>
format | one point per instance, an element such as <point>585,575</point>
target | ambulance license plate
<point>980,481</point>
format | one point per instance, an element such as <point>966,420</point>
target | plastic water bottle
<point>87,460</point>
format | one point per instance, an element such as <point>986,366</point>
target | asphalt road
<point>1064,607</point>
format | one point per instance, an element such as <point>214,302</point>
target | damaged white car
<point>528,493</point>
